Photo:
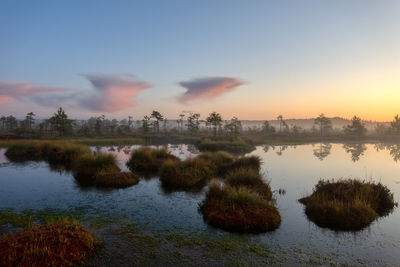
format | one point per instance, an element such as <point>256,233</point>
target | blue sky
<point>290,55</point>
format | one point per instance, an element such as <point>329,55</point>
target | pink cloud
<point>113,92</point>
<point>11,91</point>
<point>208,87</point>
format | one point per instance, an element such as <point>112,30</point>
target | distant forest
<point>213,125</point>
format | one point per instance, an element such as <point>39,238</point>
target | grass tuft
<point>250,179</point>
<point>185,174</point>
<point>147,159</point>
<point>239,209</point>
<point>348,204</point>
<point>89,165</point>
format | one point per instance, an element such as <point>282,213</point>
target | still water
<point>296,169</point>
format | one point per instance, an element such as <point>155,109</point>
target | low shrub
<point>185,174</point>
<point>239,209</point>
<point>62,243</point>
<point>147,159</point>
<point>347,204</point>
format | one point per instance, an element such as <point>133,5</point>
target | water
<point>296,169</point>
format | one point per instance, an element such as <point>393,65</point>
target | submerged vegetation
<point>146,159</point>
<point>61,243</point>
<point>348,204</point>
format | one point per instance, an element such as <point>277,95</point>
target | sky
<point>249,59</point>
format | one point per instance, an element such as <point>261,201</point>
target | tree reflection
<point>322,151</point>
<point>394,150</point>
<point>356,150</point>
<point>267,147</point>
<point>281,149</point>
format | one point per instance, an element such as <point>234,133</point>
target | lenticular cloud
<point>208,87</point>
<point>112,92</point>
<point>11,91</point>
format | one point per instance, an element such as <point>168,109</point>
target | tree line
<point>188,123</point>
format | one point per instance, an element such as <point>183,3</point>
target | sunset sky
<point>250,59</point>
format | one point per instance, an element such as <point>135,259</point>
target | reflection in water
<point>281,149</point>
<point>356,150</point>
<point>394,149</point>
<point>293,174</point>
<point>322,151</point>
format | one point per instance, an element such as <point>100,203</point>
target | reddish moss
<point>63,243</point>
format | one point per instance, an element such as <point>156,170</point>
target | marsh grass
<point>250,179</point>
<point>219,161</point>
<point>348,204</point>
<point>62,243</point>
<point>89,165</point>
<point>239,209</point>
<point>222,162</point>
<point>235,146</point>
<point>52,152</point>
<point>115,179</point>
<point>147,159</point>
<point>185,174</point>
